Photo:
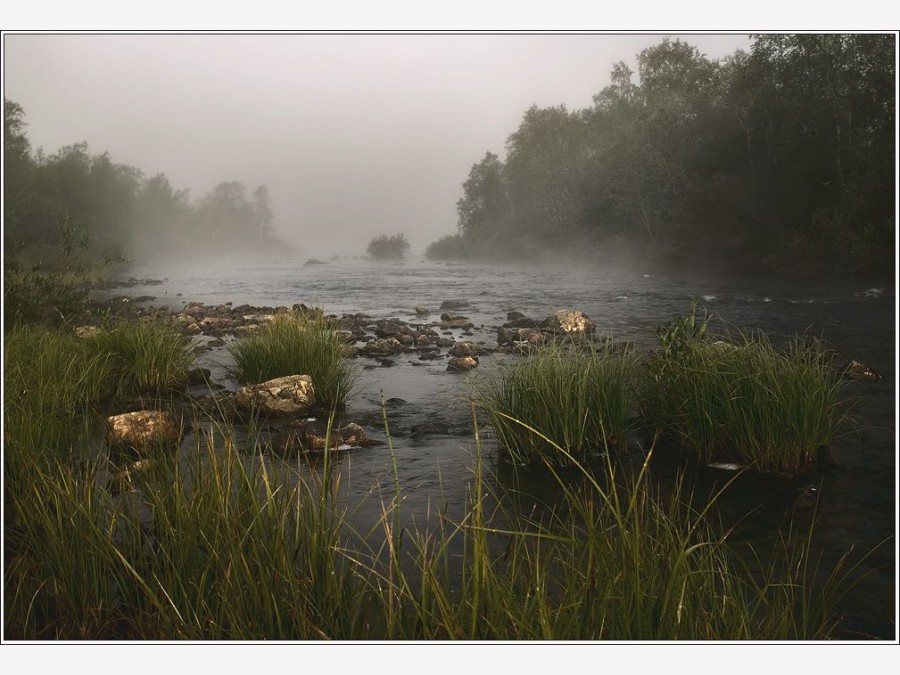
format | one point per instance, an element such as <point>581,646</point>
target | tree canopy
<point>117,207</point>
<point>780,159</point>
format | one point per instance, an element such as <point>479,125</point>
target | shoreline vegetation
<point>214,531</point>
<point>779,160</point>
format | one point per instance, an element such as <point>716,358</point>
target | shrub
<point>388,248</point>
<point>297,344</point>
<point>580,400</point>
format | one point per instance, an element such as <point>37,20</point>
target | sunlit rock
<point>859,371</point>
<point>142,431</point>
<point>465,349</point>
<point>283,396</point>
<point>462,363</point>
<point>570,321</point>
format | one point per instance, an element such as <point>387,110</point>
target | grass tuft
<point>580,400</point>
<point>297,344</point>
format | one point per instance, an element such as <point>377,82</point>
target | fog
<point>355,135</point>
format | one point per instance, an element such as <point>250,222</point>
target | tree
<point>485,200</point>
<point>388,248</point>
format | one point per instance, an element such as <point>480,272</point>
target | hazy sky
<point>355,135</point>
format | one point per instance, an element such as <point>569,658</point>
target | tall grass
<point>231,546</point>
<point>746,402</point>
<point>144,357</point>
<point>297,344</point>
<point>581,400</point>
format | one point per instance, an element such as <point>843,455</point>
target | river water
<point>431,421</point>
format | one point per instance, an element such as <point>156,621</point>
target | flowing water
<point>431,421</point>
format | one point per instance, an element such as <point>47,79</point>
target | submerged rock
<point>453,304</point>
<point>284,396</point>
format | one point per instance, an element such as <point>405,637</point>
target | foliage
<point>118,208</point>
<point>384,247</point>
<point>55,288</point>
<point>449,247</point>
<point>297,344</point>
<point>681,332</point>
<point>580,400</point>
<point>774,160</point>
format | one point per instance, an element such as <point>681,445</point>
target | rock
<point>353,434</point>
<point>858,371</point>
<point>530,336</point>
<point>570,322</point>
<point>284,396</point>
<point>87,331</point>
<point>198,376</point>
<point>519,320</point>
<point>393,328</point>
<point>465,349</point>
<point>458,324</point>
<point>462,363</point>
<point>142,431</point>
<point>450,316</point>
<point>383,347</point>
<point>453,304</point>
<point>422,311</point>
<point>395,402</point>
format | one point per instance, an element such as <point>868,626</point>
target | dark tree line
<point>117,208</point>
<point>780,159</point>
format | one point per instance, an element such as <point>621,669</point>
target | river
<point>431,422</point>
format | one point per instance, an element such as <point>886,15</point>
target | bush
<point>297,344</point>
<point>50,284</point>
<point>578,400</point>
<point>388,248</point>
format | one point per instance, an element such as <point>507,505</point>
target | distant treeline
<point>120,210</point>
<point>776,160</point>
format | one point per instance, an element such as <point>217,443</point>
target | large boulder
<point>143,431</point>
<point>569,322</point>
<point>284,396</point>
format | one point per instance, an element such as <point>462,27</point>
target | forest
<point>777,160</point>
<point>53,201</point>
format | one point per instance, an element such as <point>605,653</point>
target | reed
<point>297,344</point>
<point>745,402</point>
<point>582,400</point>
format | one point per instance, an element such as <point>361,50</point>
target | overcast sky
<point>355,135</point>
